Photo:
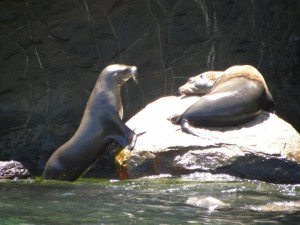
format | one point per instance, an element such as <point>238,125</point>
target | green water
<point>145,201</point>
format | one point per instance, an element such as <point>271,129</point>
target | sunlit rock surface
<point>13,170</point>
<point>266,148</point>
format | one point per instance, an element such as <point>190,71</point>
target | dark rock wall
<point>51,53</point>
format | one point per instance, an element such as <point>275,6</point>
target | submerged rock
<point>290,206</point>
<point>210,203</point>
<point>267,148</point>
<point>13,170</point>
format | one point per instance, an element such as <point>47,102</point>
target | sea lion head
<point>200,84</point>
<point>121,73</point>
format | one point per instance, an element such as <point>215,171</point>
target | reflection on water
<point>147,201</point>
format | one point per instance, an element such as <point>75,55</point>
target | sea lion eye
<point>191,80</point>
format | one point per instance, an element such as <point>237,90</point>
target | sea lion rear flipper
<point>185,127</point>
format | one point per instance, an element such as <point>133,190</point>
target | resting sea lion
<point>101,124</point>
<point>228,98</point>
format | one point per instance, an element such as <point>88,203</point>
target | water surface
<point>148,201</point>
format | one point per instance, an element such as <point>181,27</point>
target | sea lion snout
<point>134,73</point>
<point>134,69</point>
<point>125,73</point>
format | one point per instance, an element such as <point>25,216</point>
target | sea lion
<point>101,124</point>
<point>227,98</point>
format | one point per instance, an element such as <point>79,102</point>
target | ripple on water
<point>148,201</point>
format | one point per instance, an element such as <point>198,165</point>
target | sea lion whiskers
<point>134,75</point>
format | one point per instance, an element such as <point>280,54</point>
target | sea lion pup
<point>101,124</point>
<point>228,98</point>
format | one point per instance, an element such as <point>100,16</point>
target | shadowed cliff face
<point>51,53</point>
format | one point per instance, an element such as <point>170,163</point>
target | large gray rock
<point>267,148</point>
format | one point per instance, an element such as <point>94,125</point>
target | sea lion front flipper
<point>131,137</point>
<point>132,141</point>
<point>125,136</point>
<point>118,138</point>
<point>185,127</point>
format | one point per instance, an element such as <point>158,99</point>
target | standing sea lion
<point>229,98</point>
<point>101,124</point>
